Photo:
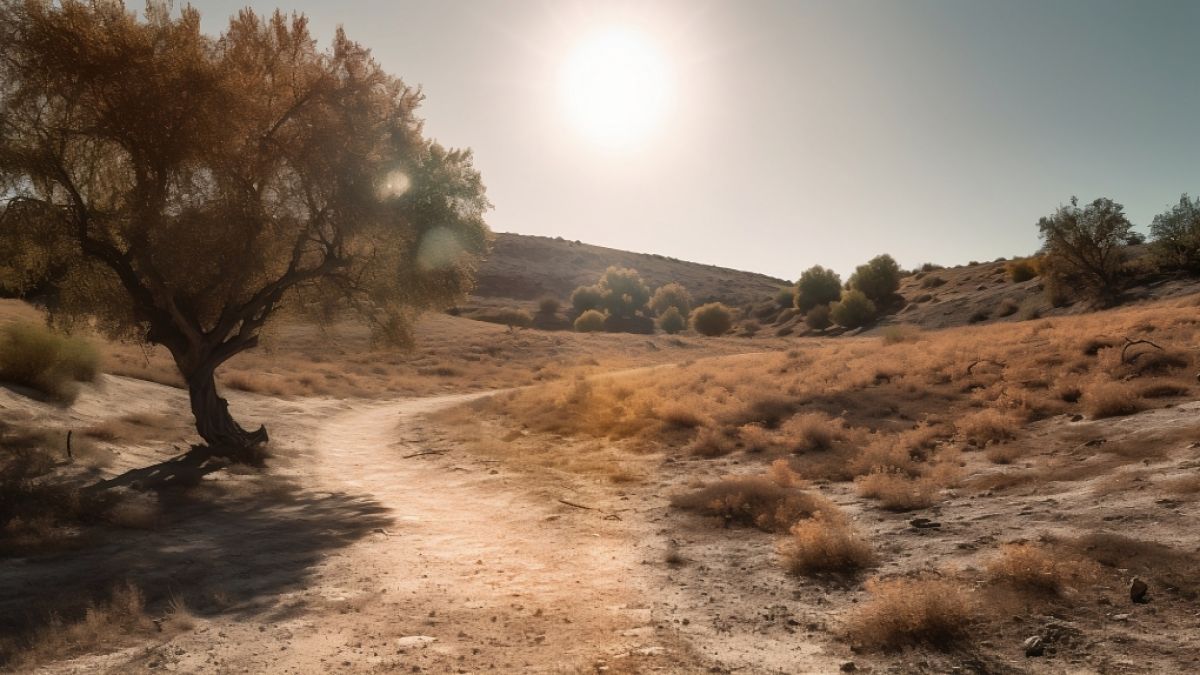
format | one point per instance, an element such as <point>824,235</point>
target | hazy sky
<point>771,136</point>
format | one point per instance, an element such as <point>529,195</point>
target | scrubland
<point>948,494</point>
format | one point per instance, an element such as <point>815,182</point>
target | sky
<point>772,136</point>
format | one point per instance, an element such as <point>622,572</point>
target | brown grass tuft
<point>987,426</point>
<point>897,491</point>
<point>1035,568</point>
<point>902,612</point>
<point>824,544</point>
<point>772,502</point>
<point>1110,399</point>
<point>809,432</point>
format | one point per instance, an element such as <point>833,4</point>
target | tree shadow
<point>221,546</point>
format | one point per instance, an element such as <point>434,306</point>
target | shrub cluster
<point>36,357</point>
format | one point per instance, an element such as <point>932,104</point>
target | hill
<point>523,268</point>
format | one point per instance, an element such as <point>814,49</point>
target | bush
<point>1110,399</point>
<point>912,611</point>
<point>671,295</point>
<point>36,357</point>
<point>817,286</point>
<point>1175,236</point>
<point>822,544</point>
<point>1034,568</point>
<point>853,311</point>
<point>671,321</point>
<point>878,279</point>
<point>932,281</point>
<point>818,318</point>
<point>712,319</point>
<point>772,502</point>
<point>591,321</point>
<point>585,298</point>
<point>549,305</point>
<point>1021,270</point>
<point>623,292</point>
<point>897,491</point>
<point>786,296</point>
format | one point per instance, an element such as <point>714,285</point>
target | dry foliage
<point>988,426</point>
<point>1036,568</point>
<point>825,544</point>
<point>901,612</point>
<point>1110,399</point>
<point>772,502</point>
<point>896,491</point>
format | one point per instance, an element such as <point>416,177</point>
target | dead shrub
<point>771,502</point>
<point>1034,568</point>
<point>901,612</point>
<point>987,426</point>
<point>709,443</point>
<point>1110,399</point>
<point>825,544</point>
<point>754,438</point>
<point>36,357</point>
<point>897,491</point>
<point>680,417</point>
<point>1006,453</point>
<point>810,432</point>
<point>768,410</point>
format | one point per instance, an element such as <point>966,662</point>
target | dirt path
<point>465,568</point>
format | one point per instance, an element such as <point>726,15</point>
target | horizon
<point>796,123</point>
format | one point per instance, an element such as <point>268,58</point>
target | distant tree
<point>818,317</point>
<point>671,321</point>
<point>624,294</point>
<point>853,311</point>
<point>817,286</point>
<point>1175,235</point>
<point>591,321</point>
<point>586,297</point>
<point>712,319</point>
<point>671,295</point>
<point>786,296</point>
<point>1088,243</point>
<point>878,278</point>
<point>1022,269</point>
<point>182,190</point>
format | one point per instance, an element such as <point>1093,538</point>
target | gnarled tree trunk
<point>224,436</point>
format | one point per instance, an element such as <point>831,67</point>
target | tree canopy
<point>1087,242</point>
<point>817,286</point>
<point>182,189</point>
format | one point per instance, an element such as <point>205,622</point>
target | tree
<point>183,190</point>
<point>671,295</point>
<point>712,319</point>
<point>1175,235</point>
<point>1088,243</point>
<point>623,293</point>
<point>878,278</point>
<point>853,311</point>
<point>671,321</point>
<point>817,286</point>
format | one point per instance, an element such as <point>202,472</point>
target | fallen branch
<point>422,454</point>
<point>1129,343</point>
<point>607,516</point>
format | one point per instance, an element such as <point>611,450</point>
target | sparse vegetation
<point>1022,269</point>
<point>772,502</point>
<point>1110,399</point>
<point>903,612</point>
<point>1034,568</point>
<point>825,544</point>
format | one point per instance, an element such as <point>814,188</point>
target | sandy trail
<point>456,566</point>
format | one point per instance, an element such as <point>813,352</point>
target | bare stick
<point>975,363</point>
<point>70,456</point>
<point>422,454</point>
<point>578,506</point>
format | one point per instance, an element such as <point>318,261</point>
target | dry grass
<point>902,612</point>
<point>36,357</point>
<point>988,426</point>
<point>139,428</point>
<point>896,491</point>
<point>1040,569</point>
<point>772,502</point>
<point>810,432</point>
<point>825,544</point>
<point>1110,399</point>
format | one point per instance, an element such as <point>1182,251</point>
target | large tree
<point>1088,243</point>
<point>182,190</point>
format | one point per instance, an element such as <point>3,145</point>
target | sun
<point>616,88</point>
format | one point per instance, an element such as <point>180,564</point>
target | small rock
<point>1034,646</point>
<point>1120,617</point>
<point>849,667</point>
<point>1137,591</point>
<point>414,641</point>
<point>923,523</point>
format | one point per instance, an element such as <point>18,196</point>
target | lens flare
<point>395,184</point>
<point>439,249</point>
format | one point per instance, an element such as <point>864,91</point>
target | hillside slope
<point>524,268</point>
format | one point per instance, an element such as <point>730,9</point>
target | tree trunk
<point>224,436</point>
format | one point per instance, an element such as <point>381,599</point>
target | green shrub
<point>671,295</point>
<point>1021,270</point>
<point>624,292</point>
<point>878,279</point>
<point>36,357</point>
<point>586,297</point>
<point>591,321</point>
<point>1176,236</point>
<point>853,311</point>
<point>671,321</point>
<point>818,317</point>
<point>549,305</point>
<point>712,319</point>
<point>817,286</point>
